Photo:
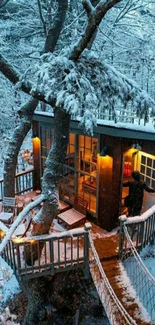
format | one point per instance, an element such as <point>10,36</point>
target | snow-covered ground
<point>8,288</point>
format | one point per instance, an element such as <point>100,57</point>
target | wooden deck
<point>107,249</point>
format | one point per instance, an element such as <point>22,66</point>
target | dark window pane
<point>143,161</point>
<point>153,184</point>
<point>149,162</point>
<point>142,169</point>
<point>148,172</point>
<point>147,181</point>
<point>153,174</point>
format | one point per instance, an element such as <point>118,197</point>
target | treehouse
<point>95,167</point>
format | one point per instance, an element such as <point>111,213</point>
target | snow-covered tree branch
<point>3,3</point>
<point>94,20</point>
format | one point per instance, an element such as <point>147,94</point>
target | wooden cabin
<point>95,167</point>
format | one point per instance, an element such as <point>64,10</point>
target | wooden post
<point>18,259</point>
<point>86,250</point>
<point>51,246</point>
<point>122,219</point>
<point>110,174</point>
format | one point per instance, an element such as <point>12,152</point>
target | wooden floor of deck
<point>107,249</point>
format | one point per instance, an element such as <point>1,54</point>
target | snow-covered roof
<point>92,91</point>
<point>137,125</point>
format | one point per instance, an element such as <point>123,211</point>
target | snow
<point>8,283</point>
<point>148,256</point>
<point>148,128</point>
<point>142,283</point>
<point>126,283</point>
<point>88,87</point>
<point>18,220</point>
<point>137,219</point>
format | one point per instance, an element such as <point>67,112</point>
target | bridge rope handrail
<point>141,279</point>
<point>137,256</point>
<point>122,310</point>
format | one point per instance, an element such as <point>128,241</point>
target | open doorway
<point>145,164</point>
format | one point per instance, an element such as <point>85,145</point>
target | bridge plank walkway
<point>107,249</point>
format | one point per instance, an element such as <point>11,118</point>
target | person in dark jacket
<point>136,193</point>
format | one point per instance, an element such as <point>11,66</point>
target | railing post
<point>86,250</point>
<point>122,219</point>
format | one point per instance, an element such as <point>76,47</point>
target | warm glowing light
<point>105,159</point>
<point>36,141</point>
<point>17,240</point>
<point>32,241</point>
<point>130,151</point>
<point>2,233</point>
<point>105,164</point>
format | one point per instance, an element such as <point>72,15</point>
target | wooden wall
<point>110,183</point>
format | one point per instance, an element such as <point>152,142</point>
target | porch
<point>62,250</point>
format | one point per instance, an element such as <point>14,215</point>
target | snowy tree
<point>26,111</point>
<point>74,79</point>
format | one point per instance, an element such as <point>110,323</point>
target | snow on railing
<point>47,254</point>
<point>140,277</point>
<point>141,229</point>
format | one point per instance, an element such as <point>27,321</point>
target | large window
<point>67,182</point>
<point>87,170</point>
<point>80,172</point>
<point>147,168</point>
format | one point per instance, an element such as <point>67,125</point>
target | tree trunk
<point>28,109</point>
<point>15,143</point>
<point>53,32</point>
<point>53,172</point>
<point>50,182</point>
<point>36,293</point>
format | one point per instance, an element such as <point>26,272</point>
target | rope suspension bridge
<point>101,257</point>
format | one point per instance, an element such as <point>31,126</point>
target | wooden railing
<point>141,230</point>
<point>23,182</point>
<point>48,254</point>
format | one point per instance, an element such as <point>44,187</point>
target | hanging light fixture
<point>103,152</point>
<point>136,146</point>
<point>34,134</point>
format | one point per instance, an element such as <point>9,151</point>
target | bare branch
<point>54,31</point>
<point>93,22</point>
<point>3,3</point>
<point>88,6</point>
<point>41,16</point>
